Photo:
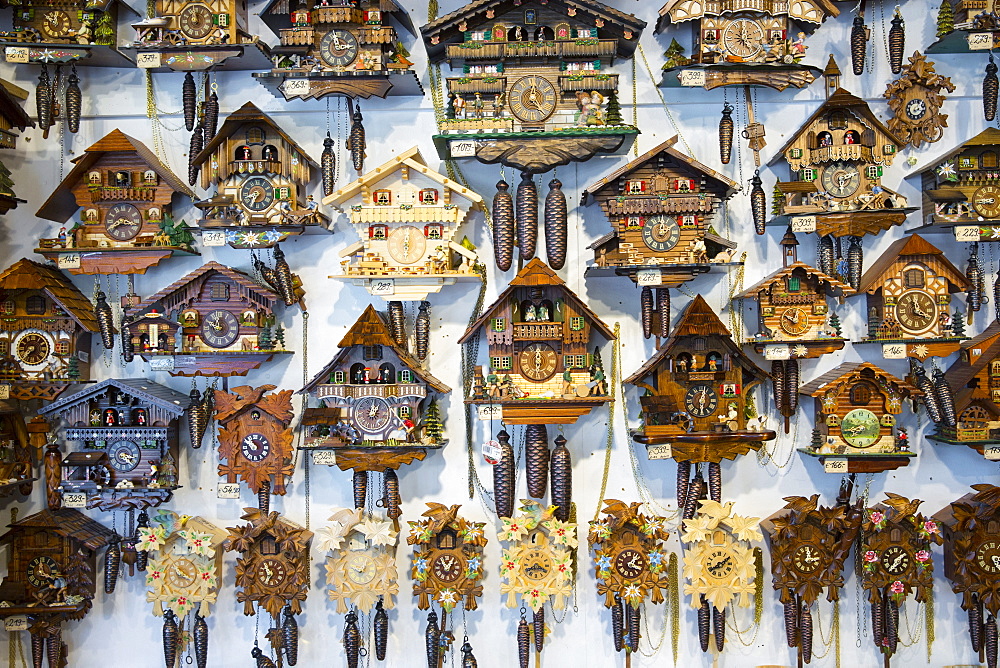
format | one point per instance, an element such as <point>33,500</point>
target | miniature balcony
<point>111,194</point>
<point>587,82</point>
<point>486,83</point>
<point>377,35</point>
<point>582,48</point>
<point>540,331</point>
<point>297,36</point>
<point>344,390</point>
<point>855,152</point>
<point>337,15</point>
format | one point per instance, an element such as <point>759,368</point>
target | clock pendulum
<point>422,331</point>
<point>555,224</point>
<point>991,85</point>
<point>726,133</point>
<point>189,99</point>
<point>468,658</point>
<point>527,216</point>
<point>504,230</point>
<point>356,139</point>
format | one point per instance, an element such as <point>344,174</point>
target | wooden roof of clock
<point>67,522</point>
<point>845,370</point>
<point>450,28</point>
<point>62,204</point>
<point>11,99</point>
<point>904,251</point>
<point>389,7</point>
<point>988,137</point>
<point>965,367</point>
<point>170,401</point>
<point>811,11</point>
<point>26,274</point>
<point>370,329</point>
<point>179,293</point>
<point>832,284</point>
<point>231,405</point>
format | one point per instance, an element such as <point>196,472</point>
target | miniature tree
<point>73,368</point>
<point>817,439</point>
<point>6,183</point>
<point>835,325</point>
<point>79,578</point>
<point>279,338</point>
<point>958,324</point>
<point>433,428</point>
<point>177,232</point>
<point>945,18</point>
<point>613,112</point>
<point>674,55</point>
<point>104,34</point>
<point>264,338</point>
<point>777,201</point>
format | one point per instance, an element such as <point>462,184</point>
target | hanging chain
<point>635,109</point>
<point>677,129</point>
<point>615,381</point>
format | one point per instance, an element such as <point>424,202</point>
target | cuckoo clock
<point>720,566</point>
<point>45,343</point>
<point>123,195</point>
<point>127,433</point>
<point>895,549</point>
<point>255,441</point>
<point>964,26</point>
<point>661,207</point>
<point>631,564</point>
<point>273,574</point>
<point>447,569</point>
<point>12,119</point>
<point>809,547</point>
<point>51,566</point>
<point>339,47</point>
<point>961,189</point>
<point>15,452</point>
<point>532,81</point>
<point>183,572</point>
<point>216,321</point>
<point>260,176</point>
<point>407,216</point>
<point>909,301</point>
<point>855,419</point>
<point>915,99</point>
<point>379,407</point>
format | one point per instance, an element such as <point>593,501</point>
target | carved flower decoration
<point>513,529</point>
<point>946,171</point>
<point>871,556</point>
<point>922,555</point>
<point>198,543</point>
<point>151,538</point>
<point>561,533</point>
<point>378,532</point>
<point>447,598</point>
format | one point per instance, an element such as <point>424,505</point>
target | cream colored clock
<point>719,562</point>
<point>537,565</point>
<point>360,566</point>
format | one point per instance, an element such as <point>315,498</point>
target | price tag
<point>894,351</point>
<point>492,452</point>
<point>83,356</point>
<point>978,41</point>
<point>691,77</point>
<point>835,465</point>
<point>325,457</point>
<point>967,233</point>
<point>215,238</point>
<point>16,623</point>
<point>992,454</point>
<point>462,148</point>
<point>16,54</point>
<point>296,87</point>
<point>228,490</point>
<point>68,261</point>
<point>74,500</point>
<point>490,412</point>
<point>383,286</point>
<point>649,277</point>
<point>777,351</point>
<point>165,363</point>
<point>660,451</point>
<point>147,60</point>
<point>804,224</point>
<point>5,391</point>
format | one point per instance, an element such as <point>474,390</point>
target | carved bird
<point>903,506</point>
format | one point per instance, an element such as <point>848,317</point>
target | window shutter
<point>597,64</point>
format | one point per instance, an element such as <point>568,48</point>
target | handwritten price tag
<point>74,500</point>
<point>325,457</point>
<point>147,60</point>
<point>383,286</point>
<point>228,490</point>
<point>162,363</point>
<point>296,87</point>
<point>5,391</point>
<point>979,41</point>
<point>804,224</point>
<point>215,238</point>
<point>649,277</point>
<point>967,233</point>
<point>462,148</point>
<point>691,77</point>
<point>660,451</point>
<point>16,54</point>
<point>894,351</point>
<point>777,352</point>
<point>992,454</point>
<point>68,261</point>
<point>490,412</point>
<point>835,465</point>
<point>492,452</point>
<point>16,623</point>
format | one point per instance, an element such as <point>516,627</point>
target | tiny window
<point>34,305</point>
<point>434,231</point>
<point>339,377</point>
<point>372,352</point>
<point>635,187</point>
<point>373,16</point>
<point>824,139</point>
<point>269,153</point>
<point>255,135</point>
<point>405,376</point>
<point>861,394</point>
<point>700,344</point>
<point>633,222</point>
<point>988,160</point>
<point>684,185</point>
<point>382,198</point>
<point>378,232</point>
<point>243,153</point>
<point>404,412</point>
<point>255,414</point>
<point>688,220</point>
<point>4,347</point>
<point>62,347</point>
<point>122,179</point>
<point>837,120</point>
<point>219,292</point>
<point>446,540</point>
<point>268,545</point>
<point>95,178</point>
<point>498,324</point>
<point>501,363</point>
<point>429,196</point>
<point>807,174</point>
<point>149,177</point>
<point>913,278</point>
<point>873,172</point>
<point>7,307</point>
<point>794,284</point>
<point>968,162</point>
<point>577,323</point>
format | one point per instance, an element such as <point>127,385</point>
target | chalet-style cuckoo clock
<point>13,118</point>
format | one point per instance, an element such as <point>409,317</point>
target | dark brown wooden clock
<point>915,99</point>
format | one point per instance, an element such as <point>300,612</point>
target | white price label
<point>804,224</point>
<point>980,41</point>
<point>967,233</point>
<point>835,465</point>
<point>691,77</point>
<point>325,457</point>
<point>492,452</point>
<point>649,277</point>
<point>296,87</point>
<point>74,500</point>
<point>992,454</point>
<point>5,391</point>
<point>462,148</point>
<point>490,412</point>
<point>777,351</point>
<point>68,261</point>
<point>894,351</point>
<point>15,623</point>
<point>660,451</point>
<point>383,286</point>
<point>165,363</point>
<point>228,490</point>
<point>83,356</point>
<point>214,238</point>
<point>16,54</point>
<point>147,60</point>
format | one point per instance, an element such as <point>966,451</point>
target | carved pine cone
<point>527,216</point>
<point>561,468</point>
<point>555,225</point>
<point>536,459</point>
<point>503,477</point>
<point>503,226</point>
<point>523,648</point>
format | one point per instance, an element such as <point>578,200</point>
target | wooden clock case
<point>68,32</point>
<point>16,461</point>
<point>13,118</point>
<point>537,562</point>
<point>915,99</point>
<point>361,564</point>
<point>447,560</point>
<point>974,379</point>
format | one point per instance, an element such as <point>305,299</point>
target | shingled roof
<point>10,105</point>
<point>832,283</point>
<point>26,274</point>
<point>248,113</point>
<point>912,245</point>
<point>180,284</point>
<point>158,395</point>
<point>962,371</point>
<point>988,137</point>
<point>819,384</point>
<point>68,522</point>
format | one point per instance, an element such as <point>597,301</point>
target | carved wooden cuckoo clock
<point>447,569</point>
<point>895,549</point>
<point>123,195</point>
<point>379,408</point>
<point>127,430</point>
<point>225,320</point>
<point>533,83</point>
<point>51,567</point>
<point>255,441</point>
<point>183,571</point>
<point>631,565</point>
<point>341,47</point>
<point>15,452</point>
<point>661,207</point>
<point>272,575</point>
<point>407,216</point>
<point>13,117</point>
<point>45,342</point>
<point>915,99</point>
<point>260,175</point>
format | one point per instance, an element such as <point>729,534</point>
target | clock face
<point>39,568</point>
<point>719,565</point>
<point>916,311</point>
<point>255,447</point>
<point>743,38</point>
<point>661,233</point>
<point>123,221</point>
<point>124,456</point>
<point>371,414</point>
<point>271,573</point>
<point>220,328</point>
<point>181,573</point>
<point>701,400</point>
<point>196,21</point>
<point>338,48</point>
<point>916,109</point>
<point>536,566</point>
<point>407,244</point>
<point>806,558</point>
<point>532,99</point>
<point>860,428</point>
<point>794,321</point>
<point>841,179</point>
<point>447,568</point>
<point>895,560</point>
<point>986,201</point>
<point>988,557</point>
<point>55,23</point>
<point>257,193</point>
<point>537,362</point>
<point>361,569</point>
<point>630,563</point>
<point>32,349</point>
